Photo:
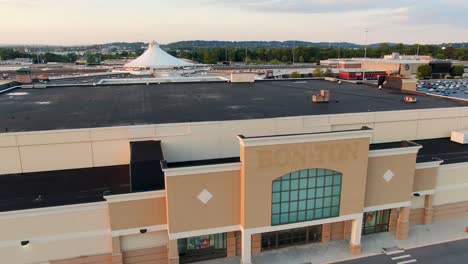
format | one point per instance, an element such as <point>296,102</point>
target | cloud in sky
<point>18,3</point>
<point>309,6</point>
<point>448,11</point>
<point>97,21</point>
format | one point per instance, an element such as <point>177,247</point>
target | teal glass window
<point>306,195</point>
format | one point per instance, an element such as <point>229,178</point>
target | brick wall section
<point>393,220</point>
<point>117,259</point>
<point>417,216</point>
<point>157,255</point>
<point>256,244</point>
<point>23,78</point>
<point>231,244</point>
<point>172,261</point>
<point>341,230</point>
<point>238,243</point>
<point>337,231</point>
<point>326,233</point>
<point>450,211</point>
<point>98,259</point>
<point>347,227</point>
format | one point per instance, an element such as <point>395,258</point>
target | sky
<point>71,22</point>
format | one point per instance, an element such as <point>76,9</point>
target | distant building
<point>156,58</point>
<point>23,75</point>
<point>403,65</point>
<point>115,62</point>
<point>349,64</point>
<point>356,74</point>
<point>17,61</point>
<point>398,56</point>
<point>440,68</point>
<point>82,60</point>
<point>405,68</point>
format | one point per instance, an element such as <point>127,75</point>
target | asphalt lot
<point>454,252</point>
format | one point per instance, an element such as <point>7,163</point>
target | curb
<point>437,242</point>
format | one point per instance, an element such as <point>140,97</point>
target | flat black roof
<point>364,128</point>
<point>442,148</point>
<point>20,191</point>
<point>64,187</point>
<point>392,145</point>
<point>191,163</point>
<point>119,105</point>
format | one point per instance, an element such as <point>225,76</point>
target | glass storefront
<point>284,238</point>
<point>306,195</point>
<point>375,222</point>
<point>201,248</point>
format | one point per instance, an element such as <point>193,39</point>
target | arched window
<point>305,195</point>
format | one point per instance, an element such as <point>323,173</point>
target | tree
<point>457,70</point>
<point>329,73</point>
<point>449,53</point>
<point>71,57</point>
<point>275,61</point>
<point>295,75</point>
<point>318,72</point>
<point>301,59</point>
<point>424,71</point>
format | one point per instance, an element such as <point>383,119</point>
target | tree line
<point>300,54</point>
<point>94,58</point>
<point>314,54</point>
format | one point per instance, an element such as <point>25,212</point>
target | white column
<point>356,231</point>
<point>246,247</point>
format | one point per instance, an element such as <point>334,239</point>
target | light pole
<point>245,55</point>
<point>365,56</point>
<point>294,47</point>
<point>226,56</point>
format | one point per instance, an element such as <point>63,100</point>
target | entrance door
<point>285,238</point>
<point>376,222</point>
<point>202,248</point>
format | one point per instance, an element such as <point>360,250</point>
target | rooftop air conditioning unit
<point>410,99</point>
<point>460,136</point>
<point>324,97</point>
<point>243,77</point>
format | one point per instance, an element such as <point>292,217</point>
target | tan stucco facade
<point>241,198</point>
<point>399,188</point>
<point>425,179</point>
<point>67,233</point>
<point>138,213</point>
<point>187,213</point>
<point>262,165</point>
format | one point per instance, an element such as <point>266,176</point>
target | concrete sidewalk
<point>420,235</point>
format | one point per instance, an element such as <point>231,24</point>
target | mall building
<point>184,172</point>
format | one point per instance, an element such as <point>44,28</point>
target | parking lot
<point>451,88</point>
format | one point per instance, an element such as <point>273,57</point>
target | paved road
<point>455,252</point>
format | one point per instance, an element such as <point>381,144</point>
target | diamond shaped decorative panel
<point>388,175</point>
<point>205,196</point>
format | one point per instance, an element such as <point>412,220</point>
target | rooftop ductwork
<point>324,97</point>
<point>459,137</point>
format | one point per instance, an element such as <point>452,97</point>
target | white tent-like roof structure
<point>155,57</point>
